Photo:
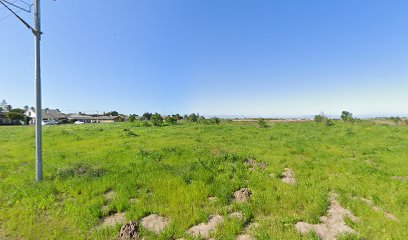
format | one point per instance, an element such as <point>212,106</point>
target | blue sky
<point>254,58</point>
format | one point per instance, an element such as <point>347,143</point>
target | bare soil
<point>112,220</point>
<point>204,229</point>
<point>155,223</point>
<point>245,237</point>
<point>288,176</point>
<point>242,195</point>
<point>237,215</point>
<point>332,224</point>
<point>379,209</point>
<point>253,164</point>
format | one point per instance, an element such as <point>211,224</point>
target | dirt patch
<point>133,200</point>
<point>288,176</point>
<point>109,195</point>
<point>155,223</point>
<point>112,220</point>
<point>251,226</point>
<point>236,215</point>
<point>377,208</point>
<point>212,199</point>
<point>253,164</point>
<point>332,224</point>
<point>400,178</point>
<point>245,237</point>
<point>129,231</point>
<point>242,195</point>
<point>204,230</point>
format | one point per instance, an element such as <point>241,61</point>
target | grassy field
<point>173,170</point>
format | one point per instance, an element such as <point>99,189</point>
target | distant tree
<point>112,113</point>
<point>328,122</point>
<point>347,116</point>
<point>178,116</point>
<point>156,119</point>
<point>193,117</point>
<point>146,116</point>
<point>132,118</point>
<point>17,110</point>
<point>5,106</point>
<point>14,116</point>
<point>27,107</point>
<point>171,120</point>
<point>319,118</point>
<point>215,120</point>
<point>202,119</point>
<point>262,123</point>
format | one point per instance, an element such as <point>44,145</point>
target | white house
<point>47,115</point>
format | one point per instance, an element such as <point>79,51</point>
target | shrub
<point>156,119</point>
<point>193,117</point>
<point>347,116</point>
<point>132,118</point>
<point>215,120</point>
<point>262,123</point>
<point>172,120</point>
<point>328,122</point>
<point>319,118</point>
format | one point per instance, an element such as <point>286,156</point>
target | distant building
<point>92,118</point>
<point>47,115</point>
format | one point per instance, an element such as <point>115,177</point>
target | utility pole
<point>38,126</point>
<point>37,34</point>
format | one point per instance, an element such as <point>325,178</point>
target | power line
<point>14,4</point>
<point>19,18</point>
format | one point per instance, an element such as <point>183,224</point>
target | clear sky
<point>256,58</point>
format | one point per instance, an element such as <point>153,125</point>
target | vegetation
<point>173,170</point>
<point>347,116</point>
<point>156,119</point>
<point>262,123</point>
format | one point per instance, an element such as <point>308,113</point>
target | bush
<point>328,122</point>
<point>157,119</point>
<point>347,116</point>
<point>319,118</point>
<point>215,120</point>
<point>146,116</point>
<point>132,118</point>
<point>262,123</point>
<point>193,117</point>
<point>323,119</point>
<point>172,120</point>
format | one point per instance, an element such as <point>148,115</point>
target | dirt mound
<point>155,223</point>
<point>212,199</point>
<point>400,178</point>
<point>245,237</point>
<point>378,209</point>
<point>204,230</point>
<point>129,231</point>
<point>242,195</point>
<point>253,164</point>
<point>288,176</point>
<point>237,215</point>
<point>332,224</point>
<point>109,195</point>
<point>112,220</point>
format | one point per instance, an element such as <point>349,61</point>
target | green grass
<point>172,170</point>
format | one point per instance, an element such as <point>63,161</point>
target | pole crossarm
<point>35,32</point>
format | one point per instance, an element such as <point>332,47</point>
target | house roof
<point>50,113</point>
<point>87,117</point>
